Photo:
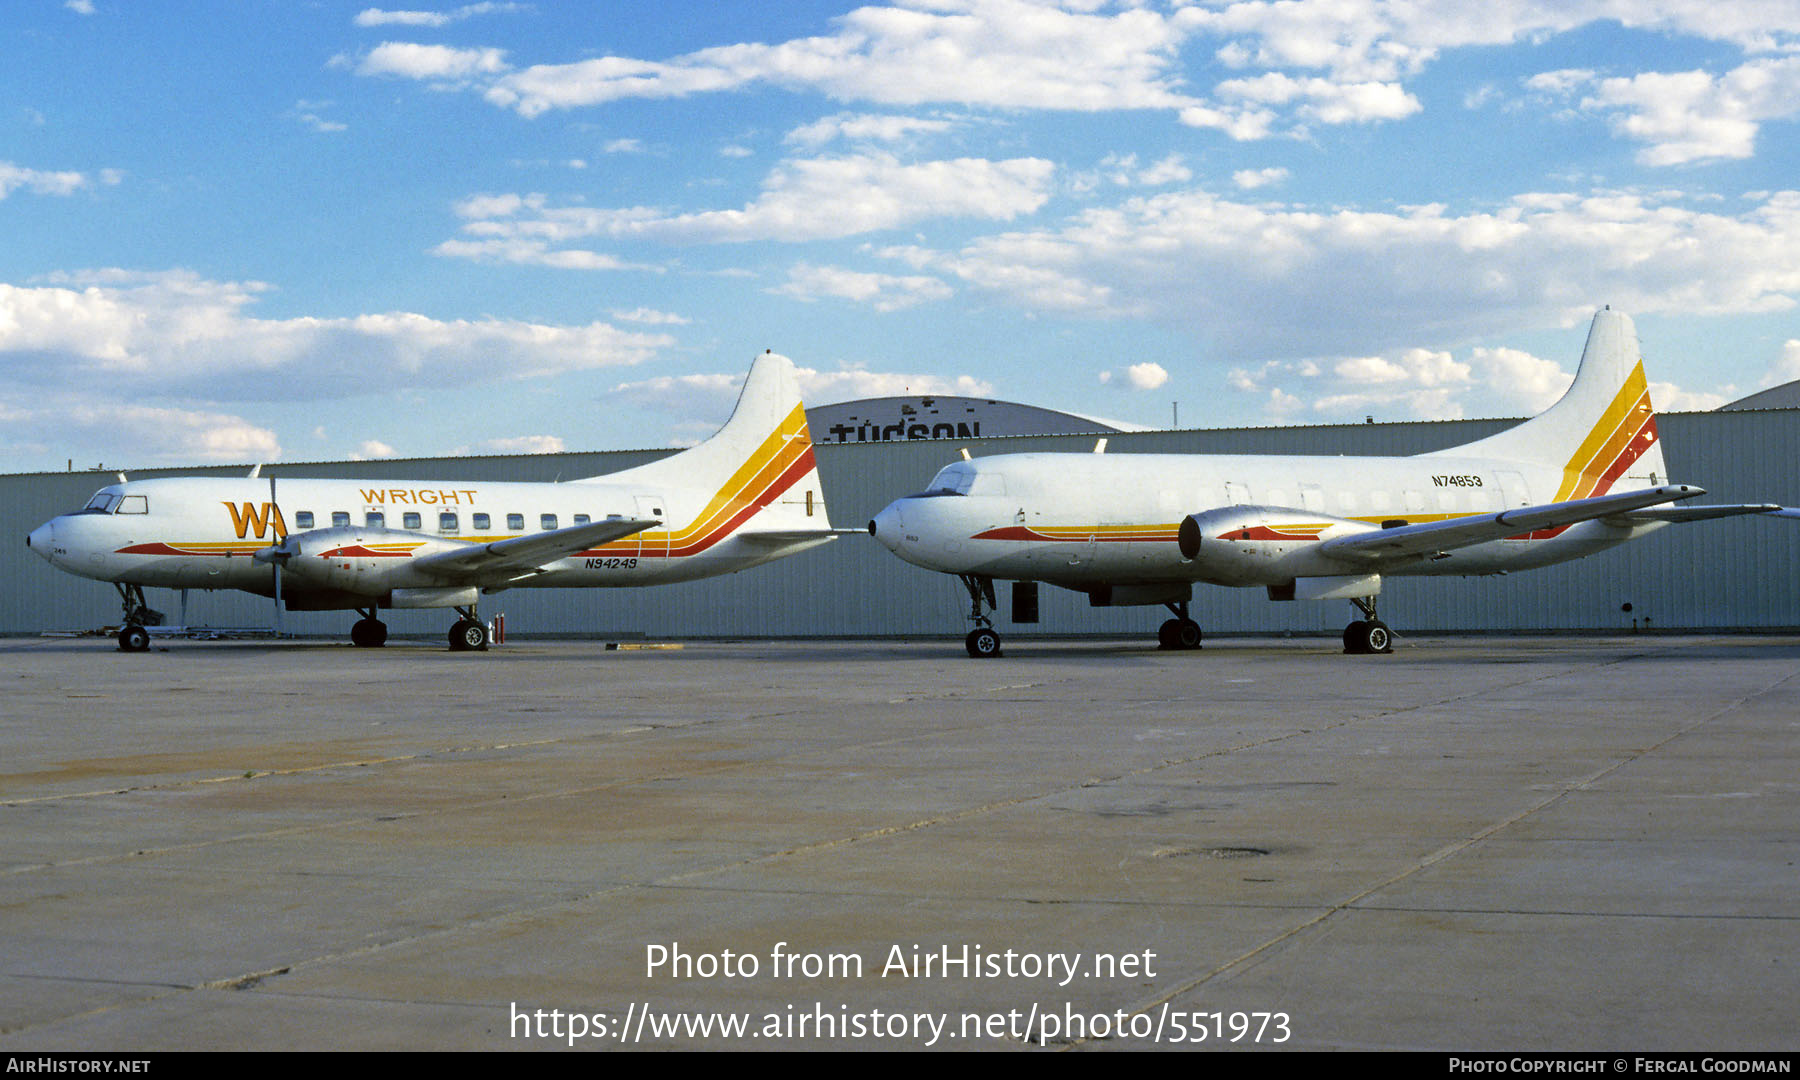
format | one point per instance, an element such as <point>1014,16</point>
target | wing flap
<point>1435,536</point>
<point>510,558</point>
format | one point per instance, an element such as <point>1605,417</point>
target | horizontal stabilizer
<point>777,537</point>
<point>503,557</point>
<point>1435,536</point>
<point>1699,513</point>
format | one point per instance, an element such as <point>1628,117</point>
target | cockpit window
<point>134,504</point>
<point>103,501</point>
<point>955,479</point>
<point>963,478</point>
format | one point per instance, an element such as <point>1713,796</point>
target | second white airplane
<point>1140,529</point>
<point>746,496</point>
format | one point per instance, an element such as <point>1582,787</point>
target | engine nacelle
<point>367,562</point>
<point>1262,545</point>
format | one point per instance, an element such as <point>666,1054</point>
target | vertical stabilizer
<point>759,465</point>
<point>1603,429</point>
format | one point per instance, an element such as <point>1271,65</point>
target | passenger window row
<point>449,522</point>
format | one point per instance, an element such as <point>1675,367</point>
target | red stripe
<point>788,478</point>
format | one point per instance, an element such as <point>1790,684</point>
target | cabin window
<point>546,522</point>
<point>340,519</point>
<point>375,519</point>
<point>303,520</point>
<point>581,519</point>
<point>134,504</point>
<point>515,522</point>
<point>447,522</point>
<point>410,519</point>
<point>482,522</point>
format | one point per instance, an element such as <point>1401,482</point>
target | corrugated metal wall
<point>1735,573</point>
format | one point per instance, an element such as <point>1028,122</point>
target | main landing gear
<point>368,632</point>
<point>132,636</point>
<point>1368,634</point>
<point>1180,632</point>
<point>469,632</point>
<point>983,641</point>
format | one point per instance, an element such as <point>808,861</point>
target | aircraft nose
<point>886,526</point>
<point>42,539</point>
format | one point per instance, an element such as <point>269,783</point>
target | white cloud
<point>1668,397</point>
<point>883,292</point>
<point>1299,62</point>
<point>1251,179</point>
<point>178,336</point>
<point>408,60</point>
<point>1004,53</point>
<point>38,182</point>
<point>1693,116</point>
<point>863,127</point>
<point>372,449</point>
<point>524,444</point>
<point>711,396</point>
<point>651,317</point>
<point>377,17</point>
<point>1146,376</point>
<point>1260,280</point>
<point>1526,382</point>
<point>1786,369</point>
<point>808,199</point>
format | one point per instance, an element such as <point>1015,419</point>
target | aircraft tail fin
<point>760,463</point>
<point>1603,429</point>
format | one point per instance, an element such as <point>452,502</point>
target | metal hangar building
<point>1737,574</point>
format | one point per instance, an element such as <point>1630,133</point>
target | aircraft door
<point>1513,491</point>
<point>653,543</point>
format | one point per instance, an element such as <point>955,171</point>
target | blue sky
<point>265,230</point>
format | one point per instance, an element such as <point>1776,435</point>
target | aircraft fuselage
<point>1082,520</point>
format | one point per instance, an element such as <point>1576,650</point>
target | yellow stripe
<point>1610,434</point>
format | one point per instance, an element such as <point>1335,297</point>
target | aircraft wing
<point>504,558</point>
<point>1435,536</point>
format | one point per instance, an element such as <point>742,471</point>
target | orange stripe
<point>1610,439</point>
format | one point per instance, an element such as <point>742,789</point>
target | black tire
<point>467,634</point>
<point>134,639</point>
<point>1168,635</point>
<point>1187,634</point>
<point>368,634</point>
<point>982,643</point>
<point>1356,638</point>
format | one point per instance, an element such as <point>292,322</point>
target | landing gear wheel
<point>134,639</point>
<point>368,634</point>
<point>982,643</point>
<point>1178,634</point>
<point>1362,638</point>
<point>467,634</point>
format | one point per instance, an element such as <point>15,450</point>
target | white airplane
<point>746,496</point>
<point>1125,529</point>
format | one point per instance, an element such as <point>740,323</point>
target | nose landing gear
<point>983,641</point>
